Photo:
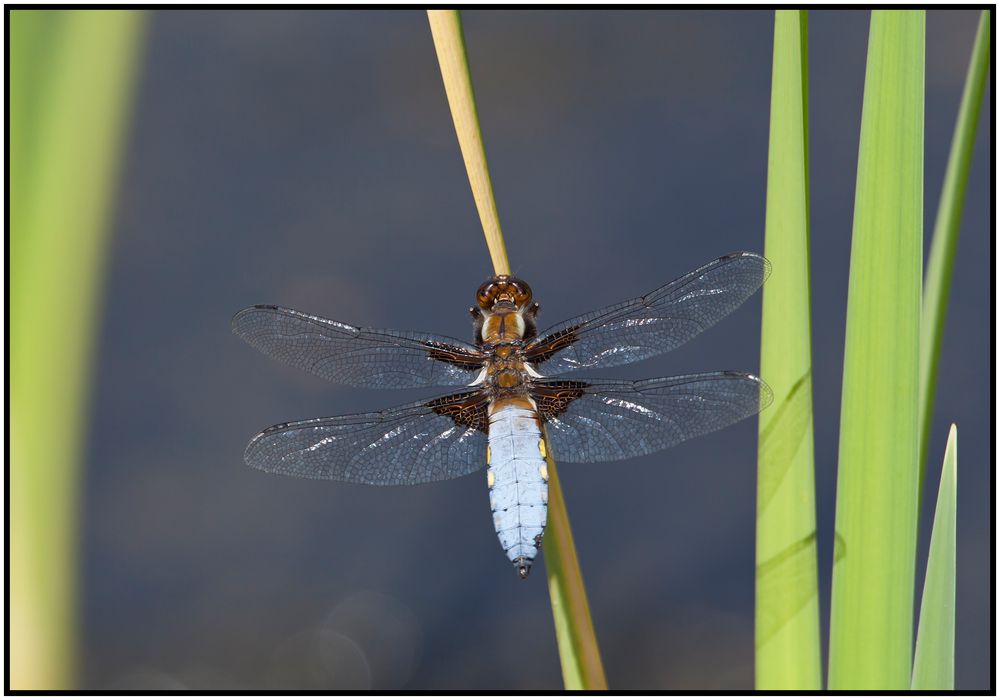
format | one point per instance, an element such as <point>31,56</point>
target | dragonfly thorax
<point>502,327</point>
<point>506,371</point>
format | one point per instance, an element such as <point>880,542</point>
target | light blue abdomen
<point>519,489</point>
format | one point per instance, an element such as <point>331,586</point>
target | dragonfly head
<point>503,293</point>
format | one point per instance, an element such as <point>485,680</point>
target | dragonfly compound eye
<point>485,295</point>
<point>521,292</point>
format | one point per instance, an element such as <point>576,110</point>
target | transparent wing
<point>363,357</point>
<point>656,323</point>
<point>603,421</point>
<point>412,444</point>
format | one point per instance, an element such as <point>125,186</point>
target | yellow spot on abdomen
<point>544,471</point>
<point>490,479</point>
<point>541,447</point>
<point>489,455</point>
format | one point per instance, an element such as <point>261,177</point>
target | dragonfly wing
<point>604,420</point>
<point>363,357</point>
<point>413,444</point>
<point>653,324</point>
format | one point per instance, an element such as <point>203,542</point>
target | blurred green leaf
<point>72,75</point>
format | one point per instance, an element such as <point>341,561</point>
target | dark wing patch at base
<point>554,397</point>
<point>468,409</point>
<point>543,349</point>
<point>455,356</point>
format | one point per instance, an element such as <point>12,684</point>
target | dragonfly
<point>509,407</point>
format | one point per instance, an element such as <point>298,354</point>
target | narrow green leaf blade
<point>787,599</point>
<point>934,663</point>
<point>941,260</point>
<point>876,515</point>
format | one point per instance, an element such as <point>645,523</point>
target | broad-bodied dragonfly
<point>511,410</point>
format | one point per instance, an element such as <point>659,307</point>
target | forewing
<point>653,324</point>
<point>412,444</point>
<point>603,420</point>
<point>363,357</point>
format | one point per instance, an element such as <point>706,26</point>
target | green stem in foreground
<point>941,260</point>
<point>578,651</point>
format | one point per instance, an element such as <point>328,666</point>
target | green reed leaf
<point>876,516</point>
<point>934,662</point>
<point>941,260</point>
<point>787,596</point>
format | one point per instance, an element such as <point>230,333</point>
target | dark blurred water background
<point>308,159</point>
